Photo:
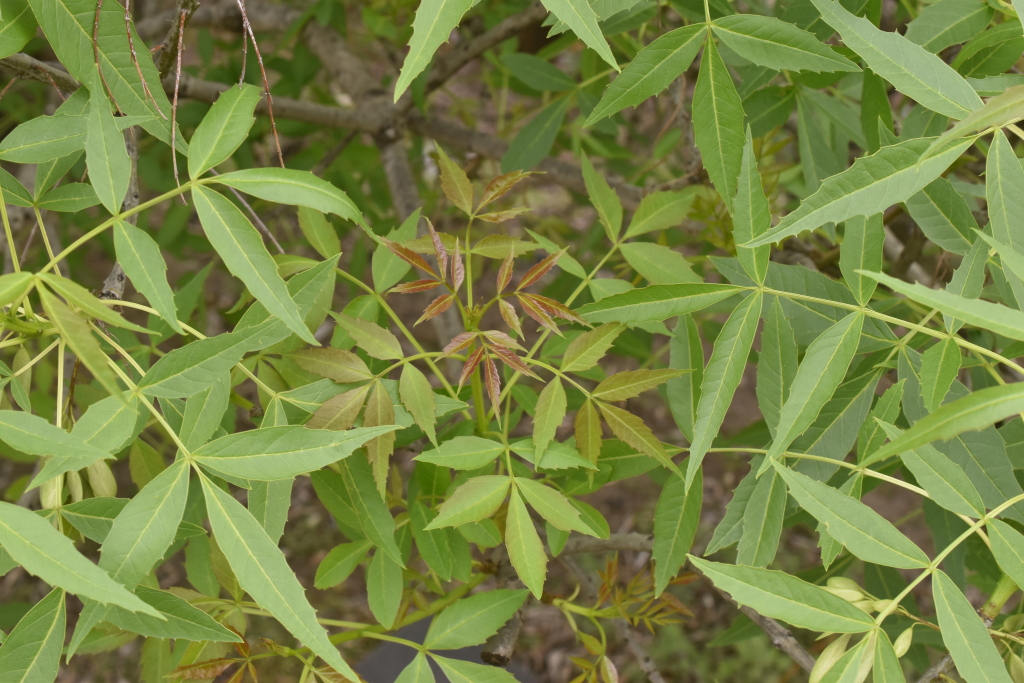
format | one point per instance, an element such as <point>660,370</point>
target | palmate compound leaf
<point>863,531</point>
<point>891,175</point>
<point>263,573</point>
<point>781,596</point>
<point>282,452</point>
<point>965,634</point>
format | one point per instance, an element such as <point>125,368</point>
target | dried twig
<point>937,670</point>
<point>263,72</point>
<point>170,43</point>
<point>781,638</point>
<point>644,659</point>
<point>96,52</point>
<point>135,57</point>
<point>182,18</point>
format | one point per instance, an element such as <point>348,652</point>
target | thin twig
<point>937,670</point>
<point>135,57</point>
<point>174,104</point>
<point>96,52</point>
<point>644,659</point>
<point>263,72</point>
<point>781,638</point>
<point>49,77</point>
<point>15,80</point>
<point>170,42</point>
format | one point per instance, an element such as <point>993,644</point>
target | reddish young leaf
<point>470,366</point>
<point>415,286</point>
<point>202,671</point>
<point>513,361</point>
<point>538,313</point>
<point>500,185</point>
<point>502,216</point>
<point>458,268</point>
<point>437,307</point>
<point>505,272</point>
<point>409,256</point>
<point>502,339</point>
<point>553,307</point>
<point>439,250</point>
<point>492,380</point>
<point>539,270</point>
<point>459,342</point>
<point>508,313</point>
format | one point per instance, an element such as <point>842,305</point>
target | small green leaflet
<point>473,620</point>
<point>463,453</point>
<point>525,550</point>
<point>940,365</point>
<point>339,564</point>
<point>476,499</point>
<point>140,256</point>
<point>384,588</point>
<point>105,153</point>
<point>1008,548</point>
<point>776,44</point>
<point>675,525</point>
<point>433,23</point>
<point>718,123</point>
<point>31,652</point>
<point>581,19</point>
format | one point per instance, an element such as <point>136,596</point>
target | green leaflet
<point>371,338</point>
<point>339,564</point>
<point>319,232</point>
<point>653,69</point>
<point>433,23</point>
<point>683,392</point>
<point>776,365</point>
<point>476,499</point>
<point>32,434</point>
<point>1004,187</point>
<point>579,16</point>
<point>224,128</point>
<point>588,348</point>
<point>781,596</point>
<point>69,25</point>
<point>537,73</point>
<point>948,22</point>
<point>943,215</point>
<point>389,269</point>
<point>19,26</point>
<point>762,522</point>
<point>777,44</point>
<point>675,525</point>
<point>31,652</point>
<point>368,506</point>
<point>244,254</point>
<point>140,256</point>
<point>178,619</point>
<point>965,635</point>
<point>817,160</point>
<point>45,138</point>
<point>289,186</point>
<point>525,550</point>
<point>886,665</point>
<point>862,250</point>
<point>48,554</point>
<point>751,215</point>
<point>977,410</point>
<point>863,531</point>
<point>604,199</point>
<point>722,376</point>
<point>999,111</point>
<point>282,452</point>
<point>873,184</point>
<point>718,124</point>
<point>550,504</point>
<point>384,588</point>
<point>473,620</point>
<point>550,413</point>
<point>940,365</point>
<point>660,210</point>
<point>1008,548</point>
<point>105,153</point>
<point>823,367</point>
<point>418,398</point>
<point>657,302</point>
<point>417,671</point>
<point>269,502</point>
<point>264,573</point>
<point>658,264</point>
<point>944,480</point>
<point>913,70</point>
<point>459,671</point>
<point>204,412</point>
<point>463,453</point>
<point>534,141</point>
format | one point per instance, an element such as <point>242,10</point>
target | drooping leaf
<point>683,392</point>
<point>178,619</point>
<point>384,588</point>
<point>781,596</point>
<point>319,232</point>
<point>607,203</point>
<point>762,522</point>
<point>264,573</point>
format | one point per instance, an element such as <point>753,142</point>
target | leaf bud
<point>843,582</point>
<point>865,605</point>
<point>882,605</point>
<point>828,657</point>
<point>101,479</point>
<point>51,493</point>
<point>846,594</point>
<point>903,642</point>
<point>74,481</point>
